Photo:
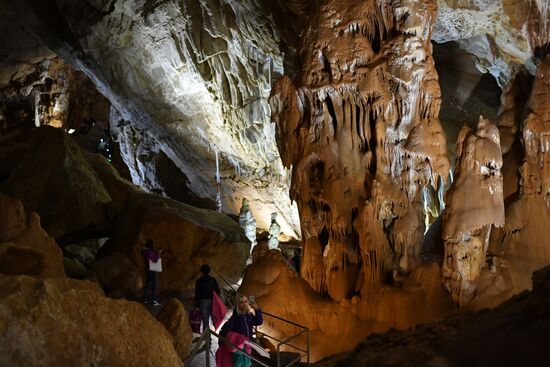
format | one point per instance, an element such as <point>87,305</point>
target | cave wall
<point>195,75</point>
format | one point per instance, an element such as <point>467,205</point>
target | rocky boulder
<point>174,318</point>
<point>64,322</point>
<point>55,180</point>
<point>189,236</point>
<point>25,248</point>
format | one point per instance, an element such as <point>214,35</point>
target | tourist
<point>204,288</point>
<point>153,265</point>
<point>238,329</point>
<point>246,314</point>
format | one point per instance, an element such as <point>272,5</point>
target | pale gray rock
<point>248,223</point>
<point>488,30</point>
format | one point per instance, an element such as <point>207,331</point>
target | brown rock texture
<point>338,326</point>
<point>522,246</point>
<point>63,322</point>
<point>513,334</point>
<point>175,319</point>
<point>475,204</point>
<point>25,248</point>
<point>189,237</point>
<point>358,126</point>
<point>55,180</point>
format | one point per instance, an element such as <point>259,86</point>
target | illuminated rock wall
<point>359,128</point>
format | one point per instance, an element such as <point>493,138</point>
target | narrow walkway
<point>200,358</point>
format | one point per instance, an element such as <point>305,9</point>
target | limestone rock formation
<point>194,76</point>
<point>248,223</point>
<point>55,180</point>
<point>503,35</point>
<point>359,127</point>
<point>274,231</point>
<point>336,326</point>
<point>475,205</point>
<point>522,245</point>
<point>174,318</point>
<point>513,334</point>
<point>25,248</point>
<point>63,322</point>
<point>189,236</point>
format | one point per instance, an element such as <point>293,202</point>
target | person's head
<point>241,304</point>
<point>205,269</point>
<point>150,244</point>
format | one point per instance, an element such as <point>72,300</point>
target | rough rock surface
<point>194,76</point>
<point>62,322</point>
<point>358,126</point>
<point>55,180</point>
<point>175,319</point>
<point>475,204</point>
<point>338,326</point>
<point>25,248</point>
<point>189,236</point>
<point>503,35</point>
<point>522,246</point>
<point>513,334</point>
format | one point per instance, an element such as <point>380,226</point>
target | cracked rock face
<point>359,128</point>
<point>502,35</point>
<point>195,77</point>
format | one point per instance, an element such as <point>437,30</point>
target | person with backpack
<point>153,265</point>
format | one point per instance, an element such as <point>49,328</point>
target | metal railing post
<point>208,347</point>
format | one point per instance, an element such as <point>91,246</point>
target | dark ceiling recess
<point>466,92</point>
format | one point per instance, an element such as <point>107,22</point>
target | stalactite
<point>358,123</point>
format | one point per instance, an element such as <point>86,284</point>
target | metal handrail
<point>206,335</point>
<point>280,342</point>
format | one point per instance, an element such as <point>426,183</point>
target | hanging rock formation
<point>474,205</point>
<point>503,35</point>
<point>338,326</point>
<point>359,127</point>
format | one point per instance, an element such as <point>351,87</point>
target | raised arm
<point>258,317</point>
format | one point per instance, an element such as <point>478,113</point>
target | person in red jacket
<point>151,277</point>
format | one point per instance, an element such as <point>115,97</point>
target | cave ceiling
<point>187,79</point>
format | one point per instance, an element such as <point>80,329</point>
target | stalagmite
<point>248,223</point>
<point>475,204</point>
<point>274,231</point>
